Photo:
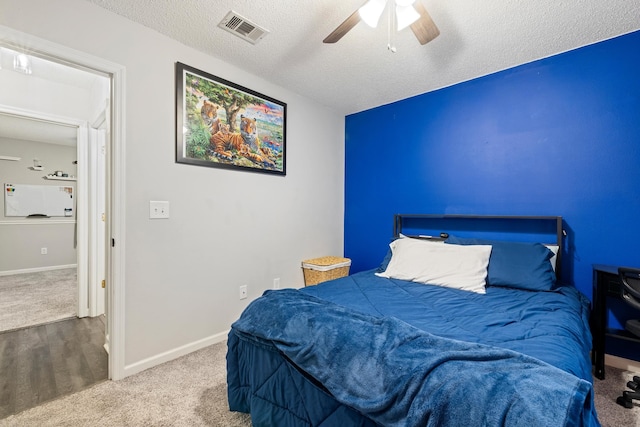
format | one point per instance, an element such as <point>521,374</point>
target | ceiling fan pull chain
<point>390,31</point>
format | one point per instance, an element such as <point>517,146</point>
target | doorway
<point>113,221</point>
<point>62,243</point>
<point>53,155</point>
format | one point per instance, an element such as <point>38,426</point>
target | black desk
<point>606,283</point>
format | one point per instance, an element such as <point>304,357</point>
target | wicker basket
<point>319,270</point>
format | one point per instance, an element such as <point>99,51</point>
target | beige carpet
<point>191,391</point>
<point>36,298</point>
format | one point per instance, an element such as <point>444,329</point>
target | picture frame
<point>221,124</point>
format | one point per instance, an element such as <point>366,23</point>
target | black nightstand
<point>606,283</point>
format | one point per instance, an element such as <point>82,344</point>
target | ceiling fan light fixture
<point>406,15</point>
<point>22,63</point>
<point>371,12</point>
<point>405,2</point>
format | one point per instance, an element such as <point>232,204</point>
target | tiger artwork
<point>209,114</point>
<point>248,131</point>
<point>223,141</point>
<point>249,135</point>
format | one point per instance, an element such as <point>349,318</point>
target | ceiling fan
<point>407,13</point>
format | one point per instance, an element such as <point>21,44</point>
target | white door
<point>82,220</point>
<point>101,237</point>
<point>96,216</point>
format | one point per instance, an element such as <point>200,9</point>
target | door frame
<point>81,197</point>
<point>115,205</point>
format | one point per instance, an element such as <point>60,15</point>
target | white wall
<point>227,228</point>
<point>31,92</point>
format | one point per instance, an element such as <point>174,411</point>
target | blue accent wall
<point>558,136</point>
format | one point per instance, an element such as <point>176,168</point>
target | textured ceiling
<point>477,38</point>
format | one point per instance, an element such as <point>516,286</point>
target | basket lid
<point>326,263</point>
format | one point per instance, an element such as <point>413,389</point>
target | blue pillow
<point>385,262</point>
<point>516,265</point>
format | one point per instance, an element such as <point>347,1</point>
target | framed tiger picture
<point>223,125</point>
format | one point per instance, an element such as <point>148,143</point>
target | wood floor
<point>41,363</point>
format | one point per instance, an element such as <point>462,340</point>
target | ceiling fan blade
<point>343,28</point>
<point>424,28</point>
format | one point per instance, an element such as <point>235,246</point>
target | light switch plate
<point>158,209</point>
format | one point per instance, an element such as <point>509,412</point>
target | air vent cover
<point>242,27</point>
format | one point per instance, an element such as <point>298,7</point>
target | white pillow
<point>421,238</point>
<point>455,266</point>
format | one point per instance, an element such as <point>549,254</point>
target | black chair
<point>630,278</point>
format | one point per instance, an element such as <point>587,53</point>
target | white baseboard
<point>150,362</point>
<point>621,363</point>
<point>37,269</point>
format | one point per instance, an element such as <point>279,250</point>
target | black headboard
<point>542,229</point>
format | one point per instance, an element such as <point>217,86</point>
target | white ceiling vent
<point>242,27</point>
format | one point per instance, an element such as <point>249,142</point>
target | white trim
<point>101,118</point>
<point>41,116</point>
<point>621,363</point>
<point>92,195</point>
<point>10,158</point>
<point>167,356</point>
<point>82,219</point>
<point>116,210</point>
<point>99,194</point>
<point>96,187</point>
<point>37,269</point>
<point>38,221</point>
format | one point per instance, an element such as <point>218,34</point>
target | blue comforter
<point>363,349</point>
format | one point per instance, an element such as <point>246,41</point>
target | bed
<point>396,347</point>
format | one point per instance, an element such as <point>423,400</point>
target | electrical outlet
<point>276,283</point>
<point>243,292</point>
<point>43,251</point>
<point>158,209</point>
